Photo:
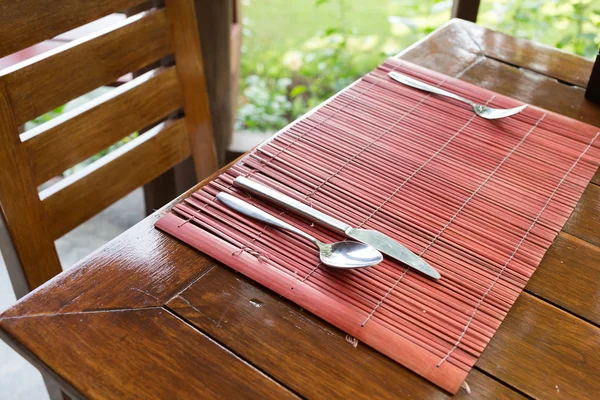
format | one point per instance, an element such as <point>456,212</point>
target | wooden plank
<point>545,352</point>
<point>78,197</point>
<point>21,206</point>
<point>163,188</point>
<point>79,134</point>
<point>455,50</point>
<point>138,358</point>
<point>104,56</point>
<point>449,50</point>
<point>190,68</point>
<point>296,347</point>
<point>569,276</point>
<point>153,261</point>
<point>584,222</point>
<point>533,88</point>
<point>215,28</point>
<point>27,22</point>
<point>549,61</point>
<point>92,27</point>
<point>465,9</point>
<point>149,261</point>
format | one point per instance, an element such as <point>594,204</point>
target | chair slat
<point>83,65</point>
<point>27,22</point>
<point>77,135</point>
<point>84,194</point>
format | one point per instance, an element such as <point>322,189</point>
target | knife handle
<point>287,202</point>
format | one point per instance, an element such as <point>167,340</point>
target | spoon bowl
<point>345,254</point>
<point>349,255</point>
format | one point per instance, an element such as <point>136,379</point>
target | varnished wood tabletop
<point>149,317</point>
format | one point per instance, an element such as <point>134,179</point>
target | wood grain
<point>74,136</point>
<point>85,193</point>
<point>596,178</point>
<point>21,207</point>
<point>216,33</point>
<point>152,261</point>
<point>27,22</point>
<point>104,279</point>
<point>534,88</point>
<point>104,56</point>
<point>133,342</point>
<point>584,223</point>
<point>537,348</point>
<point>566,67</point>
<point>460,48</point>
<point>570,266</point>
<point>449,50</point>
<point>296,347</point>
<point>545,352</point>
<point>188,58</point>
<point>52,78</point>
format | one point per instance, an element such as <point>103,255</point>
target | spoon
<point>481,110</point>
<point>345,254</point>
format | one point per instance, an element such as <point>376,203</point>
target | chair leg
<point>16,274</point>
<point>54,389</point>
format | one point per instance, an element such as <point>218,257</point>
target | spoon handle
<point>254,212</point>
<point>407,80</point>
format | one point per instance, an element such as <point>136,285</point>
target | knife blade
<point>380,241</point>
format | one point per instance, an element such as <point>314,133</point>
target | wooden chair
<point>154,99</point>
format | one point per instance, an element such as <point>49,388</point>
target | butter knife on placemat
<point>381,242</point>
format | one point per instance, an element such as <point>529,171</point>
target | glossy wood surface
<point>545,348</point>
<point>75,136</point>
<point>135,340</point>
<point>190,68</point>
<point>150,39</point>
<point>30,244</point>
<point>24,26</point>
<point>105,56</point>
<point>218,46</point>
<point>221,48</point>
<point>164,145</point>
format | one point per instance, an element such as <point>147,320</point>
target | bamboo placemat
<point>480,200</point>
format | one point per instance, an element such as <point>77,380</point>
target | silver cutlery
<point>338,255</point>
<point>378,240</point>
<point>480,109</point>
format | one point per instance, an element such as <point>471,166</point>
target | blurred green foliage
<point>297,53</point>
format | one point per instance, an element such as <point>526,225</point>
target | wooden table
<point>149,317</point>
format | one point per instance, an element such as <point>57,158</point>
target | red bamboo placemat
<point>480,200</point>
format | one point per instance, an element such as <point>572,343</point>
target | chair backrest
<point>35,219</point>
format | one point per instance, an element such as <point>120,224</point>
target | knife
<point>381,242</point>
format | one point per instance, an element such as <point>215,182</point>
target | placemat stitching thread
<point>396,191</point>
<point>489,289</point>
